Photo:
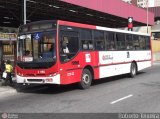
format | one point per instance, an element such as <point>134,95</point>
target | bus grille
<point>34,80</point>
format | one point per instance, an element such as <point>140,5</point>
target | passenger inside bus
<point>50,53</point>
<point>64,53</point>
<point>51,48</point>
<point>112,46</point>
<point>100,45</point>
<point>48,47</point>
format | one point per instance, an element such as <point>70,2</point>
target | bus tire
<point>133,70</point>
<point>86,79</point>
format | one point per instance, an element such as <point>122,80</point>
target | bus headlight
<point>20,74</point>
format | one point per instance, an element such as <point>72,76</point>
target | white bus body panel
<point>114,63</point>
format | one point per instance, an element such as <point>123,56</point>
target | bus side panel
<point>118,62</point>
<point>143,65</point>
<point>105,59</point>
<point>71,71</point>
<point>143,59</point>
<point>96,64</point>
<point>113,63</point>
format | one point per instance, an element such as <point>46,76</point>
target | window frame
<point>99,40</point>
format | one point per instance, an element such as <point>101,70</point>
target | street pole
<point>24,9</point>
<point>147,16</point>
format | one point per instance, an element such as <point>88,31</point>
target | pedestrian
<point>2,67</point>
<point>27,53</point>
<point>8,71</point>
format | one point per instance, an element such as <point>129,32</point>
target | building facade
<point>8,47</point>
<point>128,1</point>
<point>145,3</point>
<point>157,3</point>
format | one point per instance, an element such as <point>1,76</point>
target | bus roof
<point>80,25</point>
<point>74,24</point>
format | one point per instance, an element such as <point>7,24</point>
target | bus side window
<point>99,40</point>
<point>69,46</point>
<point>110,42</point>
<point>136,42</point>
<point>129,42</point>
<point>148,45</point>
<point>142,42</point>
<point>86,39</point>
<point>120,40</point>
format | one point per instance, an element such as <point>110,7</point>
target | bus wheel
<point>86,79</point>
<point>133,70</point>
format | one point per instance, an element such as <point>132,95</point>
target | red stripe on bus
<point>66,23</point>
<point>118,63</point>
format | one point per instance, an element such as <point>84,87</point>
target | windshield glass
<point>39,46</point>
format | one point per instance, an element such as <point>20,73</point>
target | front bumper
<point>38,80</point>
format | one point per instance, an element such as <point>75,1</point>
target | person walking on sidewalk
<point>8,70</point>
<point>2,67</point>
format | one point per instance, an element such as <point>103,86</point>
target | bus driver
<point>65,45</point>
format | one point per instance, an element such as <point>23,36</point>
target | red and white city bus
<point>62,52</point>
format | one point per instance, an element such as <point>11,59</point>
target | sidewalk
<point>7,89</point>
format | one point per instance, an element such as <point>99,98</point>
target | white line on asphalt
<point>121,99</point>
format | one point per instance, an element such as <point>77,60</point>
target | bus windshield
<point>37,47</point>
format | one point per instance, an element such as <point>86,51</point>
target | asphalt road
<point>118,94</point>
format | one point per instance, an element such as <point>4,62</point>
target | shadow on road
<point>56,89</point>
<point>115,78</point>
<point>47,89</point>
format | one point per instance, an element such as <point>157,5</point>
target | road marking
<point>121,99</point>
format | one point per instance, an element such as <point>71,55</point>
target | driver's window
<point>69,47</point>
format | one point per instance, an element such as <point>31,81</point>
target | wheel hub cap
<point>86,78</point>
